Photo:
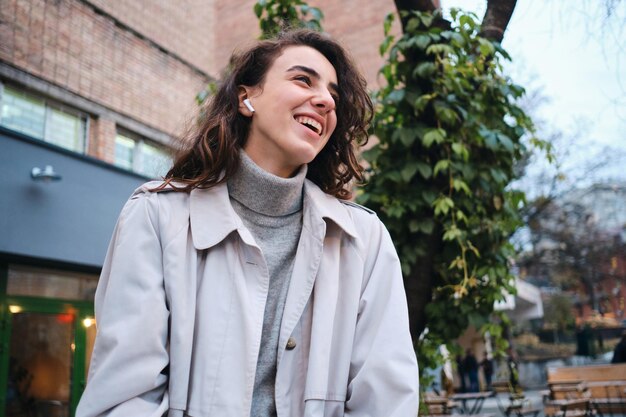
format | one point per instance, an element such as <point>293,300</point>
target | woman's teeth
<point>310,123</point>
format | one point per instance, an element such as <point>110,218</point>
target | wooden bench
<point>437,405</point>
<point>602,386</point>
<point>581,407</point>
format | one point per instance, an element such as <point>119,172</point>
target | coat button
<point>291,343</point>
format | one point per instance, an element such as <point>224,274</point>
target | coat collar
<point>213,218</point>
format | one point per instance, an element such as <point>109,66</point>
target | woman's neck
<point>264,192</point>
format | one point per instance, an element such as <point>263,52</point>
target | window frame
<point>50,105</point>
<point>137,164</point>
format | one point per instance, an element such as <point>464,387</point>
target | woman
<point>245,284</point>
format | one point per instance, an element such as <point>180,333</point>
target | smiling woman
<point>244,284</point>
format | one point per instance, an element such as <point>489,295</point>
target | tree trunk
<point>419,287</point>
<point>496,19</point>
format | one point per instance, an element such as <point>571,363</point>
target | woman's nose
<point>324,101</point>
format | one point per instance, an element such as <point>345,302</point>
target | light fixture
<point>15,309</point>
<point>46,175</point>
<point>88,322</point>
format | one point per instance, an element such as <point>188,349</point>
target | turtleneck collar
<point>266,193</point>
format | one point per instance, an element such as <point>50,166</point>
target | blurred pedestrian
<point>460,369</point>
<point>471,368</point>
<point>487,365</point>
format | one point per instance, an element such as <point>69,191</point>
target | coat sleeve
<point>128,371</point>
<point>384,379</point>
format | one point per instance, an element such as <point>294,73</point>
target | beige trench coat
<point>180,306</point>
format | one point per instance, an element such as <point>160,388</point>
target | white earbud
<point>247,103</point>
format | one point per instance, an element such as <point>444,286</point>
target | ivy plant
<point>277,15</point>
<point>451,136</point>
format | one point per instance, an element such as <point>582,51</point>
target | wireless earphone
<point>247,103</point>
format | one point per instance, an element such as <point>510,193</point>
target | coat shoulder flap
<point>358,206</point>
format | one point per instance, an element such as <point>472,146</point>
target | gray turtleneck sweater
<point>271,208</point>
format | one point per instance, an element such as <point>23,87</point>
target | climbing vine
<point>451,137</point>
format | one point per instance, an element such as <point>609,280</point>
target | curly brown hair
<point>211,155</point>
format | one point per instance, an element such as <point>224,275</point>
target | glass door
<point>44,357</point>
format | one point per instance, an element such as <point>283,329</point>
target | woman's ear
<point>245,106</point>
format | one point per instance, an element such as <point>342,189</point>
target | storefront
<point>48,330</point>
<point>54,232</point>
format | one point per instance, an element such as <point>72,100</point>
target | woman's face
<point>294,111</point>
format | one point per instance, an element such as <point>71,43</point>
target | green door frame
<point>81,311</point>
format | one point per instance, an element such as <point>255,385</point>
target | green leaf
<point>424,169</point>
<point>384,46</point>
<point>490,137</point>
<point>506,142</point>
<point>486,47</point>
<point>316,13</point>
<point>421,102</point>
<point>395,96</point>
<point>427,19</point>
<point>460,185</point>
<point>408,136</point>
<point>388,22</point>
<point>461,150</point>
<point>372,154</point>
<point>412,25</point>
<point>498,175</point>
<point>394,176</point>
<point>424,70</point>
<point>452,233</point>
<point>439,48</point>
<point>408,172</point>
<point>442,205</point>
<point>445,114</point>
<point>433,136</point>
<point>258,9</point>
<point>441,165</point>
<point>422,41</point>
<point>429,197</point>
<point>426,226</point>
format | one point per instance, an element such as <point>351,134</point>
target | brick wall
<point>102,133</point>
<point>147,59</point>
<point>67,43</point>
<point>357,24</point>
<point>182,26</point>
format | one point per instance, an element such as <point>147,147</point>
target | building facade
<point>93,94</point>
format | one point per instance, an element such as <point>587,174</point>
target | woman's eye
<point>304,79</point>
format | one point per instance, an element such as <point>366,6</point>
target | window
<point>41,119</point>
<point>49,283</point>
<point>139,155</point>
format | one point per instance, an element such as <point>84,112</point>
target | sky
<point>574,57</point>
